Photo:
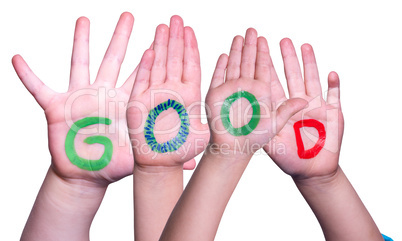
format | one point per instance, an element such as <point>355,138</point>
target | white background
<point>361,40</point>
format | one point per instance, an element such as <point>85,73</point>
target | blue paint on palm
<point>176,142</point>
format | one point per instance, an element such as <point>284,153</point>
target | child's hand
<point>308,147</point>
<point>239,105</point>
<point>309,144</point>
<point>100,105</point>
<point>234,137</point>
<point>164,109</point>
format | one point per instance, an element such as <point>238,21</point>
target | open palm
<point>247,92</point>
<point>310,156</point>
<point>168,79</point>
<point>84,101</point>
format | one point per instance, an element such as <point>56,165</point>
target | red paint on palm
<point>312,152</point>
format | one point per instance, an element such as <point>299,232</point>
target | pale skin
<point>70,197</point>
<point>320,179</point>
<point>75,194</point>
<point>170,70</point>
<point>68,191</point>
<point>200,208</point>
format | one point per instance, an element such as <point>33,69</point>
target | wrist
<point>325,182</point>
<point>63,210</point>
<point>156,191</point>
<point>158,176</point>
<point>338,208</point>
<point>228,163</point>
<point>73,194</point>
<point>226,155</point>
<point>158,172</point>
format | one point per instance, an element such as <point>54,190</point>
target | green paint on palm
<point>225,110</point>
<point>86,164</point>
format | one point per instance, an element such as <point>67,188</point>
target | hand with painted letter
<point>239,115</point>
<point>239,104</point>
<point>163,117</point>
<point>88,137</point>
<point>308,147</point>
<point>164,108</point>
<point>309,143</point>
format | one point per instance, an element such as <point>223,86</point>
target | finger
<point>249,54</point>
<point>189,165</point>
<point>333,96</point>
<point>311,77</point>
<point>79,74</point>
<point>34,85</point>
<point>111,63</point>
<point>158,72</point>
<point>234,61</point>
<point>262,65</point>
<point>277,92</point>
<point>192,66</point>
<point>128,85</point>
<point>218,77</point>
<point>175,50</point>
<point>292,69</point>
<point>141,83</point>
<point>287,110</point>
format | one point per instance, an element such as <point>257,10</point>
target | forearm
<point>200,208</point>
<point>338,208</point>
<point>63,210</point>
<point>156,191</point>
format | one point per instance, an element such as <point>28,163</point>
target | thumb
<point>287,109</point>
<point>34,85</point>
<point>189,165</point>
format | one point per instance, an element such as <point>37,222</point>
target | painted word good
<point>312,152</point>
<point>90,165</point>
<point>174,143</point>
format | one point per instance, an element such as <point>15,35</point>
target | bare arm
<point>83,165</point>
<point>63,210</point>
<point>156,191</point>
<point>234,139</point>
<point>313,139</point>
<point>164,132</point>
<point>200,208</point>
<point>338,208</point>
